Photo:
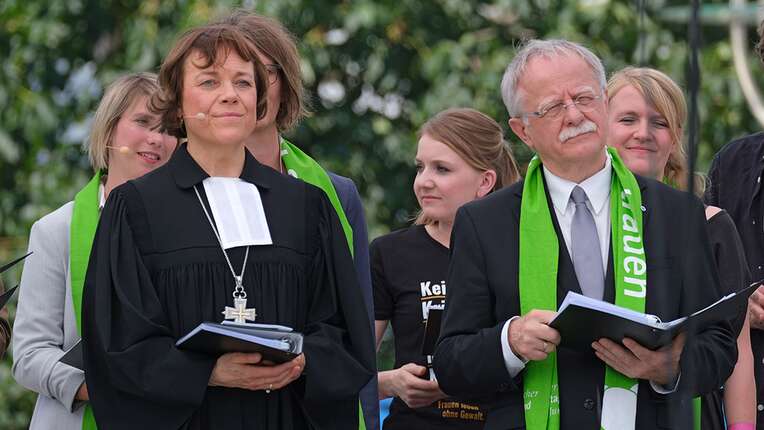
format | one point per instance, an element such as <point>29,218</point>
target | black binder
<point>6,296</point>
<point>277,344</point>
<point>582,320</point>
<point>13,263</point>
<point>431,331</point>
<point>73,356</point>
<point>431,335</point>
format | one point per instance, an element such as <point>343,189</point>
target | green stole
<point>83,228</point>
<point>539,252</point>
<point>301,166</point>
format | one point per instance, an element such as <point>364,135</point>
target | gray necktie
<point>585,247</point>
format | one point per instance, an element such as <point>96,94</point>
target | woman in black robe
<point>157,270</point>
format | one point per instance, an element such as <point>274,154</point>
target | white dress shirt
<point>101,196</point>
<point>597,188</point>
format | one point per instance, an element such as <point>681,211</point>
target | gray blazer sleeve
<point>45,325</point>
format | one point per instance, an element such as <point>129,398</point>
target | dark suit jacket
<point>483,294</point>
<point>351,204</point>
<point>735,185</point>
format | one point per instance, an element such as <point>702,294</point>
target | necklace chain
<point>238,292</point>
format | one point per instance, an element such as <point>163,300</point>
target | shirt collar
<point>101,195</point>
<point>597,188</point>
<point>188,173</point>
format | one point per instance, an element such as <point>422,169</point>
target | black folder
<point>6,296</point>
<point>431,335</point>
<point>431,331</point>
<point>73,356</point>
<point>582,320</point>
<point>7,266</point>
<point>277,344</point>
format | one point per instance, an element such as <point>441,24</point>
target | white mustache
<point>571,132</point>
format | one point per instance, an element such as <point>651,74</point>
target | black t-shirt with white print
<point>408,270</point>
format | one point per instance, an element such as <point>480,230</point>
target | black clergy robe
<point>156,271</point>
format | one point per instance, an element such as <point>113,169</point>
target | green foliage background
<point>377,69</point>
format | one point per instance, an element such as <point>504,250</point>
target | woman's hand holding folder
<point>248,371</point>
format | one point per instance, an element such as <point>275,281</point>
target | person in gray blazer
<point>124,144</point>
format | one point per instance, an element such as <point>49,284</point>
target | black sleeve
<point>468,359</point>
<point>338,345</point>
<point>711,195</point>
<point>709,356</point>
<point>730,260</point>
<point>384,301</point>
<point>136,377</point>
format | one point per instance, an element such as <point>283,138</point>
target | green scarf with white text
<point>85,216</point>
<point>539,252</point>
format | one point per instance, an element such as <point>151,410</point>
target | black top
<point>157,271</point>
<point>734,184</point>
<point>733,275</point>
<point>730,259</point>
<point>408,270</point>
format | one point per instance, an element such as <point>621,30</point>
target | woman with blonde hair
<point>647,113</point>
<point>125,143</point>
<point>461,156</point>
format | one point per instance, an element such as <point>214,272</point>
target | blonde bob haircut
<point>665,96</point>
<point>478,140</point>
<point>119,96</point>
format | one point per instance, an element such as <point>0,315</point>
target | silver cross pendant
<point>239,312</point>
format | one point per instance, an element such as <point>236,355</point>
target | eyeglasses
<point>583,102</point>
<point>273,73</point>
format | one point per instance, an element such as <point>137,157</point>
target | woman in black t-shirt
<point>461,156</point>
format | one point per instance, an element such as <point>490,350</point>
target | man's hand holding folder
<point>530,337</point>
<point>636,345</point>
<point>635,361</point>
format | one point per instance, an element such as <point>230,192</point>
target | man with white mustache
<point>570,132</point>
<point>517,252</point>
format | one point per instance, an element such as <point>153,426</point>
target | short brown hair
<point>477,139</point>
<point>273,40</point>
<point>208,40</point>
<point>119,96</point>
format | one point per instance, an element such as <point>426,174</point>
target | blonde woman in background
<point>647,112</point>
<point>125,143</point>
